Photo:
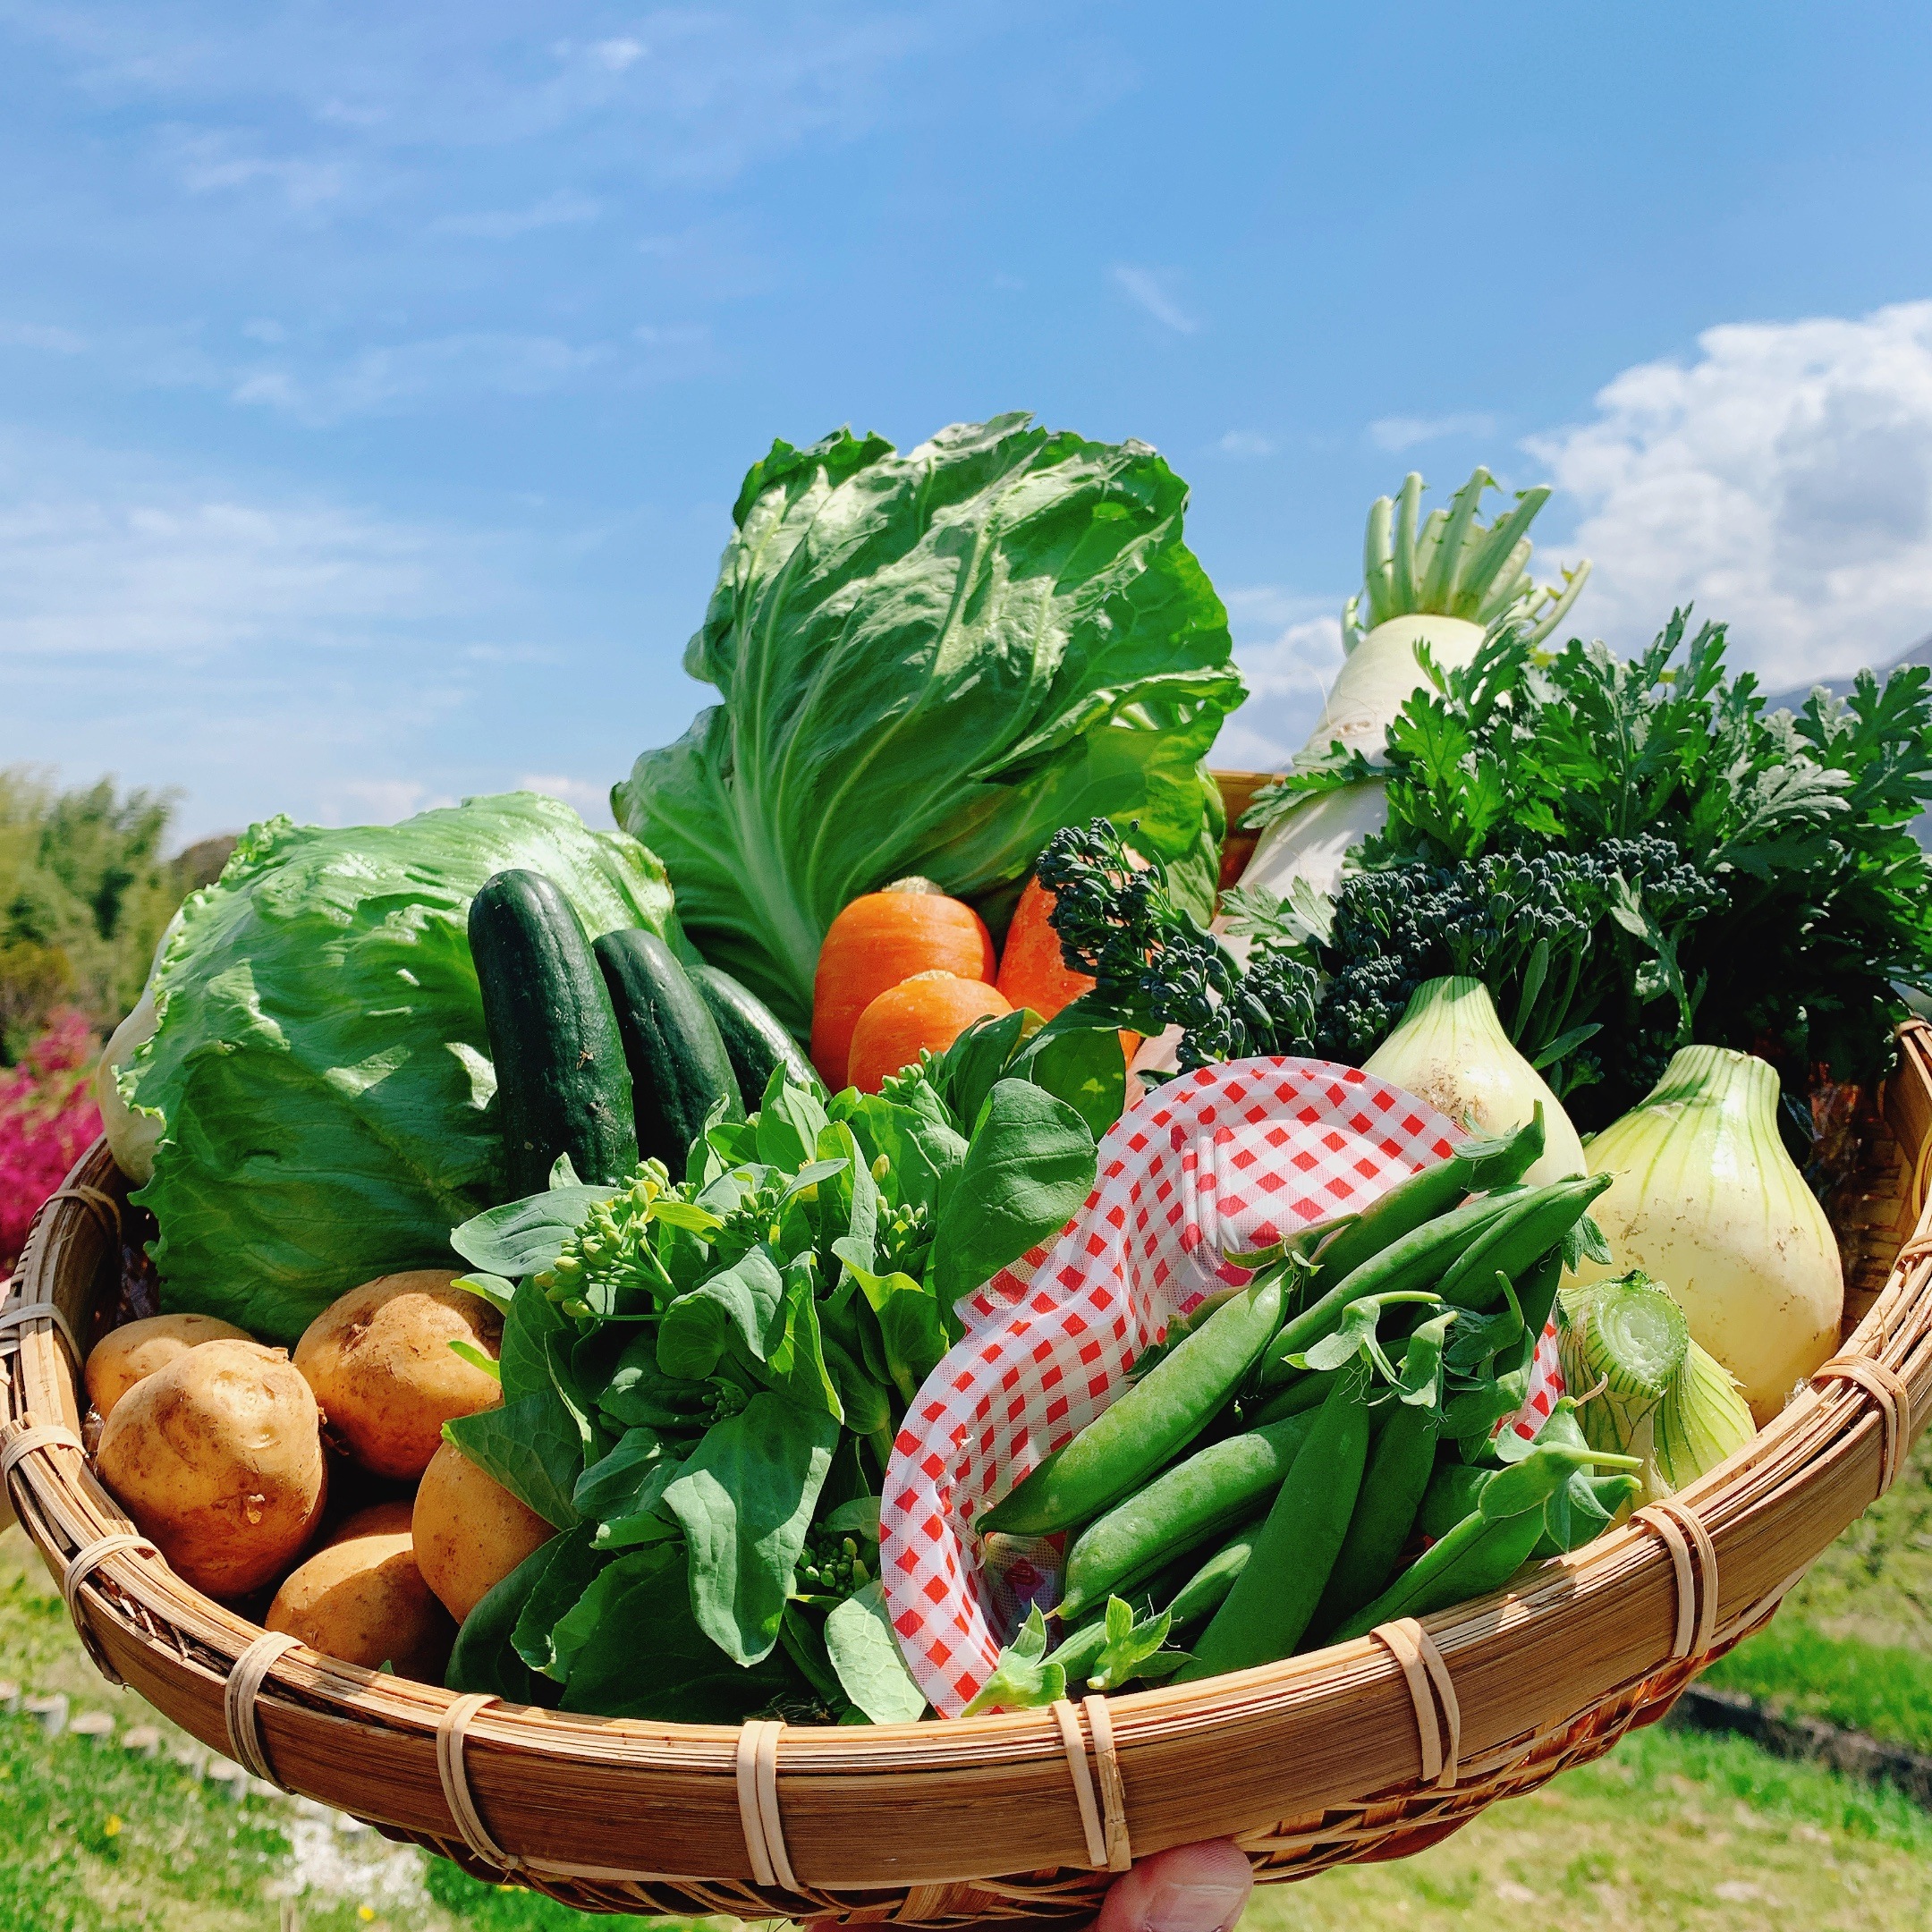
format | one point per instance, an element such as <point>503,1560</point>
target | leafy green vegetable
<point>928,663</point>
<point>531,1447</point>
<point>865,1653</point>
<point>1029,1167</point>
<point>1637,847</point>
<point>744,1501</point>
<point>321,1065</point>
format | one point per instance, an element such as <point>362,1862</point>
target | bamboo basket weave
<point>1370,1749</point>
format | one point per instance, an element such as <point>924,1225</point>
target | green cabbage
<point>930,663</point>
<point>321,1069</point>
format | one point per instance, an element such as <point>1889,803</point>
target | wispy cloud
<point>1245,443</point>
<point>394,377</point>
<point>589,797</point>
<point>560,209</point>
<point>1406,432</point>
<point>1147,288</point>
<point>40,336</point>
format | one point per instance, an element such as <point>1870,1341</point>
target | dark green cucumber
<point>679,1068</point>
<point>754,1036</point>
<point>561,1086</point>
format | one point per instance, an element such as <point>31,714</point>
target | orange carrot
<point>930,1009</point>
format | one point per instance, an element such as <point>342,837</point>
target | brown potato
<point>360,1597</point>
<point>470,1532</point>
<point>218,1458</point>
<point>380,1363</point>
<point>134,1351</point>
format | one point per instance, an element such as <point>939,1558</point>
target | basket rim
<point>161,1634</point>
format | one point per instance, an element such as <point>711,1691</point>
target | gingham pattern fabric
<point>1217,1162</point>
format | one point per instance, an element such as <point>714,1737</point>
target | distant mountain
<point>1789,701</point>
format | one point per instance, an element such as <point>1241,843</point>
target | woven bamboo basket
<point>1370,1749</point>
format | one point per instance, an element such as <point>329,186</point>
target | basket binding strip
<point>1348,1754</point>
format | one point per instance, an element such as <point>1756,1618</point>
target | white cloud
<point>263,652</point>
<point>588,797</point>
<point>394,376</point>
<point>1404,432</point>
<point>1245,443</point>
<point>1149,289</point>
<point>1288,648</point>
<point>211,160</point>
<point>1782,479</point>
<point>40,336</point>
<point>618,55</point>
<point>560,209</point>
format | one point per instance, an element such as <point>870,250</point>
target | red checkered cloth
<point>1217,1162</point>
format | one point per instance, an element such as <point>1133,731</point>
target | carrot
<point>1032,970</point>
<point>929,1009</point>
<point>879,940</point>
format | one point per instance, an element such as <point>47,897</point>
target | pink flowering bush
<point>47,1117</point>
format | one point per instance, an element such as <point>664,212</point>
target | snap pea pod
<point>1207,1590</point>
<point>1538,1296</point>
<point>1487,1548</point>
<point>1452,1494</point>
<point>1473,1168</point>
<point>1415,1261</point>
<point>1270,1607</point>
<point>1078,1653</point>
<point>1522,1235</point>
<point>1308,1391</point>
<point>1181,1509</point>
<point>1392,1493</point>
<point>1154,1420</point>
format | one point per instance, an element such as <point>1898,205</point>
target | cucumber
<point>561,1086</point>
<point>679,1068</point>
<point>754,1036</point>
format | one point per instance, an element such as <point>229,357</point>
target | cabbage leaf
<point>321,1067</point>
<point>929,663</point>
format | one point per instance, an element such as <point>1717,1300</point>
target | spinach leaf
<point>745,1499</point>
<point>1029,1167</point>
<point>859,1638</point>
<point>765,1319</point>
<point>532,1447</point>
<point>633,1650</point>
<point>640,1395</point>
<point>790,1120</point>
<point>524,1237</point>
<point>571,1568</point>
<point>1087,1068</point>
<point>921,1149</point>
<point>484,1658</point>
<point>621,1494</point>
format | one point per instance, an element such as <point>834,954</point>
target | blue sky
<point>375,380</point>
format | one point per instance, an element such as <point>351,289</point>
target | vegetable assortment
<point>947,851</point>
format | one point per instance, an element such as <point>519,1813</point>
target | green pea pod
<point>1308,1391</point>
<point>1487,1548</point>
<point>1539,1297</point>
<point>1158,1417</point>
<point>1479,1556</point>
<point>1415,1261</point>
<point>1392,1493</point>
<point>1207,1590</point>
<point>1451,1495</point>
<point>1475,1167</point>
<point>1181,1509</point>
<point>1276,1595</point>
<point>1522,1235</point>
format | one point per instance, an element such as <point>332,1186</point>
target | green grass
<point>1675,1831</point>
<point>1884,1690</point>
<point>1854,1642</point>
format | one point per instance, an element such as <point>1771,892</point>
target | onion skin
<point>1449,1049</point>
<point>1706,1202</point>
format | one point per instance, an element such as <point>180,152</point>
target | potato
<point>380,1363</point>
<point>470,1532</point>
<point>119,1360</point>
<point>360,1597</point>
<point>218,1458</point>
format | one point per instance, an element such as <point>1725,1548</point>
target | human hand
<point>1189,1889</point>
